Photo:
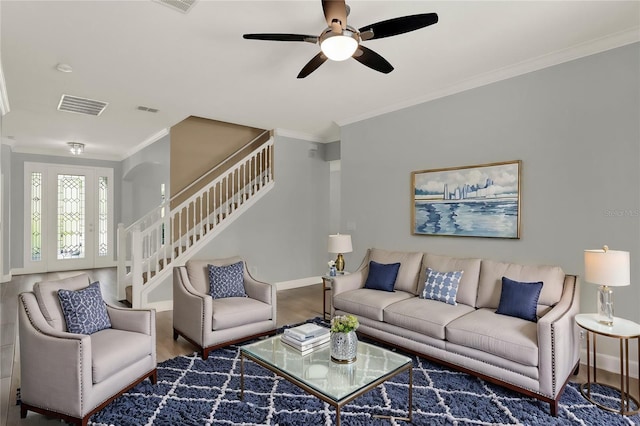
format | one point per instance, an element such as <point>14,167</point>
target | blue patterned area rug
<point>191,391</point>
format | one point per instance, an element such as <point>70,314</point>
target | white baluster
<point>136,266</point>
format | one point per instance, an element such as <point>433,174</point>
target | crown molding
<point>11,143</point>
<point>17,149</point>
<point>294,134</point>
<point>145,143</point>
<point>593,47</point>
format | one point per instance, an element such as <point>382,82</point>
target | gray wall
<point>18,188</point>
<point>284,236</point>
<point>576,129</point>
<point>142,174</point>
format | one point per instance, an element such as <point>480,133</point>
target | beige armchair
<point>210,323</point>
<point>72,376</point>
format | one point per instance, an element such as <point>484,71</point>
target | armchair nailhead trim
<point>28,312</point>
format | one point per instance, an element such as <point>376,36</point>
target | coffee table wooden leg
<point>337,415</point>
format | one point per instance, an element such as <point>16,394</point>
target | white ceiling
<point>131,53</point>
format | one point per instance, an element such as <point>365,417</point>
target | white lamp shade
<point>607,267</point>
<point>340,243</point>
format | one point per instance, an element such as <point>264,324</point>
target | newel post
<point>122,261</point>
<point>136,266</point>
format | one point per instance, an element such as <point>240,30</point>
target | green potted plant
<point>344,341</point>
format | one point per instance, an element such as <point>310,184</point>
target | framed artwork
<point>469,201</point>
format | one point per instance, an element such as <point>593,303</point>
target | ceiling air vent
<point>81,105</point>
<point>147,109</point>
<point>183,6</point>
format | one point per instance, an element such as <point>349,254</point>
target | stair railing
<point>166,235</point>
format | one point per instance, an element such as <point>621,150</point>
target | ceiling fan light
<point>339,47</point>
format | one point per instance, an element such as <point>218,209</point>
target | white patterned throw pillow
<point>442,286</point>
<point>84,310</point>
<point>227,281</point>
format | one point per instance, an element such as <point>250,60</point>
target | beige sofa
<point>534,358</point>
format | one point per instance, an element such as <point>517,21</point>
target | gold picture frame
<point>469,201</point>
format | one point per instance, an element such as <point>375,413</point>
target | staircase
<point>174,231</point>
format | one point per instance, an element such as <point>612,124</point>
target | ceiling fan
<point>340,41</point>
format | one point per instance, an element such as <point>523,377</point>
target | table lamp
<point>340,243</point>
<point>609,268</point>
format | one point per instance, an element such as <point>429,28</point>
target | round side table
<point>623,330</point>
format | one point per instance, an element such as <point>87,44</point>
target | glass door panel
<point>71,217</point>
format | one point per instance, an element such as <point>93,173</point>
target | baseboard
<point>609,363</point>
<point>302,282</point>
<point>26,271</point>
<point>165,305</point>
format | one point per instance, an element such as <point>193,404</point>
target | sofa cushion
<point>410,264</point>
<point>236,311</point>
<point>519,299</point>
<point>468,286</point>
<point>198,271</point>
<point>442,286</point>
<point>367,303</point>
<point>113,350</point>
<point>84,310</point>
<point>491,274</point>
<point>424,316</point>
<point>507,337</point>
<point>382,276</point>
<point>46,293</point>
<point>227,280</point>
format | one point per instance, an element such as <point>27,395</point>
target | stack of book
<point>306,338</point>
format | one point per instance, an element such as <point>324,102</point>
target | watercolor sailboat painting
<point>470,201</point>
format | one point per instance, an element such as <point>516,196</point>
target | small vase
<point>344,347</point>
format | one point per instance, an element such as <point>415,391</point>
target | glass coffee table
<point>335,384</point>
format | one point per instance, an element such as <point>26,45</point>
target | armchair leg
<point>154,377</point>
<point>577,370</point>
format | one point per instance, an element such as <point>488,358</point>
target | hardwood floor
<point>294,306</point>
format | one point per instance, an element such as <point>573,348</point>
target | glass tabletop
<point>316,370</point>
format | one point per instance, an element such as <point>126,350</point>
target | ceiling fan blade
<point>400,25</point>
<point>371,59</point>
<point>335,12</point>
<point>312,65</point>
<point>282,37</point>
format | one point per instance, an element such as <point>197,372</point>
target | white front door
<point>70,224</point>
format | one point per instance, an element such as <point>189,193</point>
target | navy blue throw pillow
<point>519,299</point>
<point>382,276</point>
<point>84,310</point>
<point>227,281</point>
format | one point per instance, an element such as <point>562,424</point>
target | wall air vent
<point>81,105</point>
<point>183,6</point>
<point>147,109</point>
